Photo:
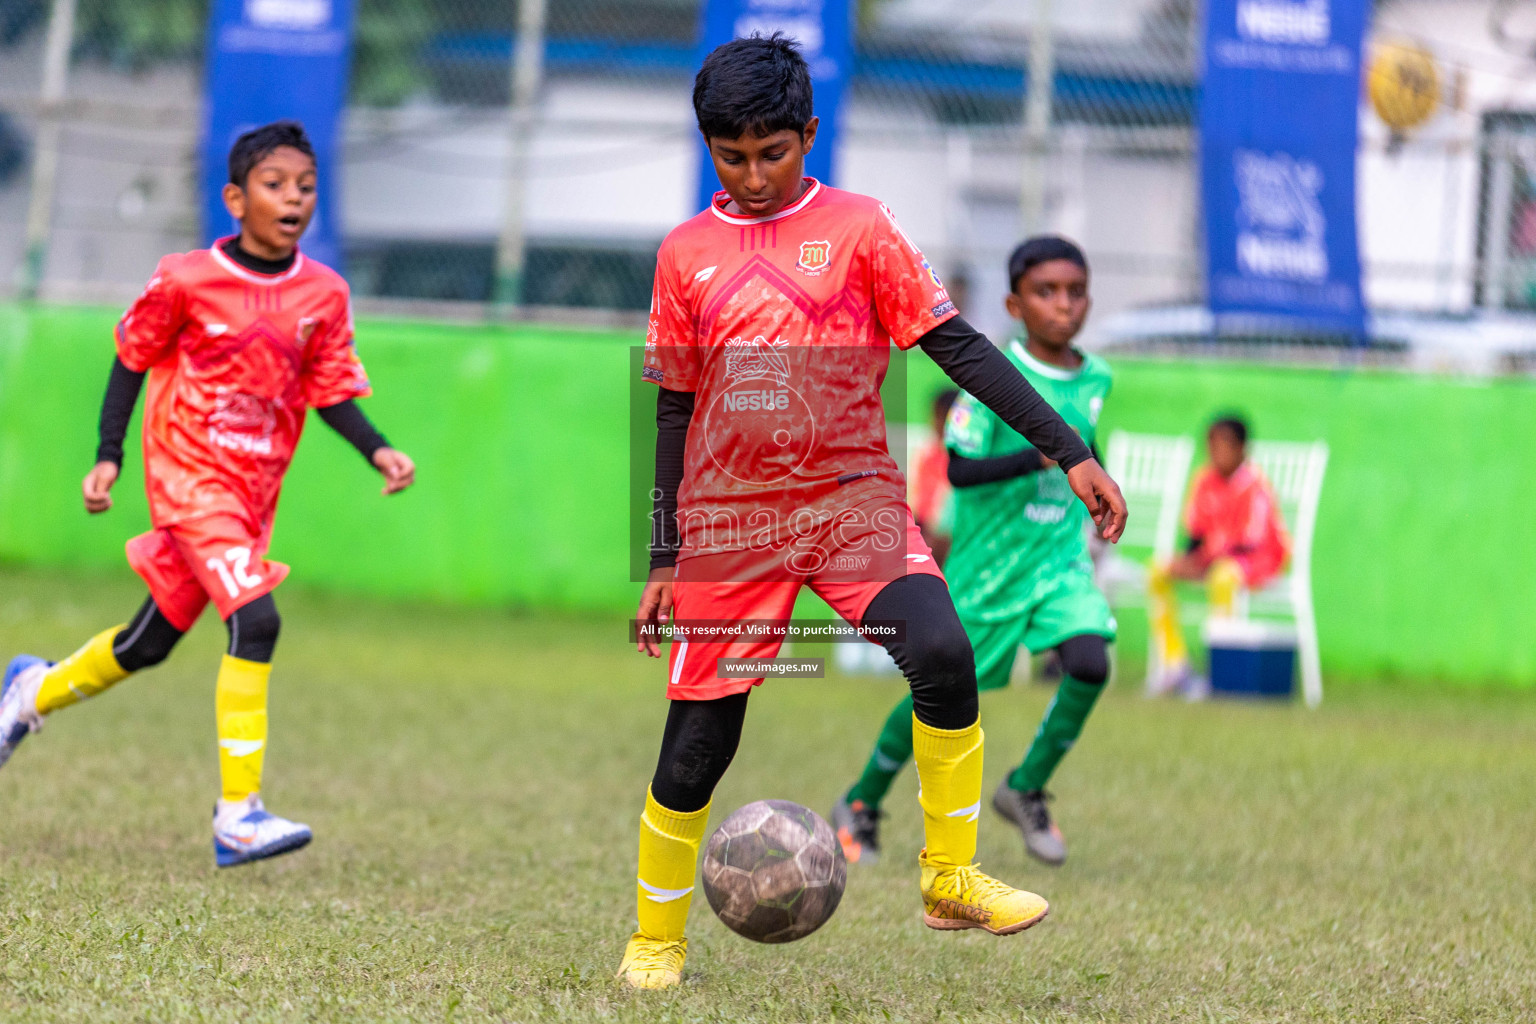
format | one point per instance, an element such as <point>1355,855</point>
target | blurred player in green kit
<point>1019,568</point>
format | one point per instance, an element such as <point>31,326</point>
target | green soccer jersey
<point>1013,536</point>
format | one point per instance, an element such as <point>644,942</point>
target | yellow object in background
<point>1403,84</point>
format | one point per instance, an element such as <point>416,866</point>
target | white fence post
<point>45,160</point>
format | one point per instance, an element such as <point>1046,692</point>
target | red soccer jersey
<point>234,360</point>
<point>782,326</point>
<point>1237,517</point>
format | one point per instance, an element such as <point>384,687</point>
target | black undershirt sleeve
<point>967,472</point>
<point>123,387</point>
<point>674,411</point>
<point>975,364</point>
<point>351,423</point>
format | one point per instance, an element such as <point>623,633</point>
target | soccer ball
<point>774,872</point>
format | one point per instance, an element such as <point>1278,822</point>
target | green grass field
<point>474,781</point>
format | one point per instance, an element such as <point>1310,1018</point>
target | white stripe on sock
<point>656,894</point>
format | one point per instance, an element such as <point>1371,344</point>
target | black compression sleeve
<point>934,653</point>
<point>146,640</point>
<point>975,364</point>
<point>964,472</point>
<point>700,740</point>
<point>674,411</point>
<point>351,423</point>
<point>116,410</point>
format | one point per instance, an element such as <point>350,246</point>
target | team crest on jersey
<point>933,275</point>
<point>814,257</point>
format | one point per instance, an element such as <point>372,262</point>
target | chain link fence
<point>936,122</point>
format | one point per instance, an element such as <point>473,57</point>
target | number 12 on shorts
<point>233,570</point>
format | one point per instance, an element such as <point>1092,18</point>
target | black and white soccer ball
<point>774,871</point>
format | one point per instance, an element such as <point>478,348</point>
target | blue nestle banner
<point>822,29</point>
<point>1279,115</point>
<point>269,60</point>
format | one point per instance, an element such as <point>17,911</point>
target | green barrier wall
<point>1423,562</point>
<point>1424,556</point>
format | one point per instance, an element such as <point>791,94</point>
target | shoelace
<point>656,956</point>
<point>975,886</point>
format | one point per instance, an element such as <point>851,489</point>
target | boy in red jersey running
<point>237,342</point>
<point>771,324</point>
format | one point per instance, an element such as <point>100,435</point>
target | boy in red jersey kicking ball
<point>771,324</point>
<point>237,342</point>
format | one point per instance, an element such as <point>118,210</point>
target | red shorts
<point>759,588</point>
<point>218,557</point>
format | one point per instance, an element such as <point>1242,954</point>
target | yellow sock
<point>949,777</point>
<point>1223,585</point>
<point>87,672</point>
<point>669,855</point>
<point>1165,618</point>
<point>240,706</point>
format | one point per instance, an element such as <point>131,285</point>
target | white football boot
<point>18,702</point>
<point>244,831</point>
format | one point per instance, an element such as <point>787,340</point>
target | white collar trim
<point>795,207</point>
<point>1045,369</point>
<point>240,272</point>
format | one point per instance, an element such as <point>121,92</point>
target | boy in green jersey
<point>1018,566</point>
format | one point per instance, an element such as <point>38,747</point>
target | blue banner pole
<point>1279,127</point>
<point>270,60</point>
<point>823,29</point>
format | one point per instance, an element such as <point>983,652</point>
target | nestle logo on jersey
<point>242,422</point>
<point>240,442</point>
<point>814,257</point>
<point>756,401</point>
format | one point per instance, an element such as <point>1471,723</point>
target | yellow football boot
<point>963,897</point>
<point>653,963</point>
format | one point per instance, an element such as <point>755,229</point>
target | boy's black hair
<point>258,143</point>
<point>1234,424</point>
<point>1042,249</point>
<point>759,84</point>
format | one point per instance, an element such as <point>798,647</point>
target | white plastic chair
<point>1151,470</point>
<point>1295,471</point>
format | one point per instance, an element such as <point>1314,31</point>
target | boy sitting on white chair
<point>1237,543</point>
